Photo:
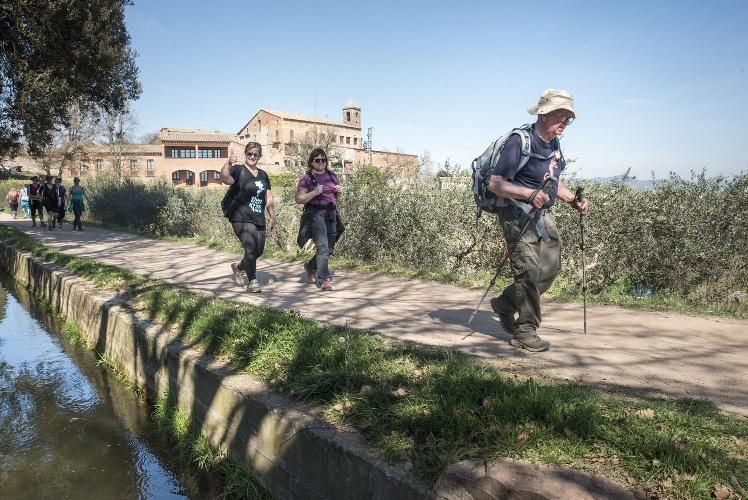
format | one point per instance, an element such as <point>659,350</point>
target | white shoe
<point>240,277</point>
<point>254,287</point>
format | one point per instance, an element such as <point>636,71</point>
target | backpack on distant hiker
<point>483,166</point>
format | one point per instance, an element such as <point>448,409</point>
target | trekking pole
<point>578,196</point>
<point>530,216</point>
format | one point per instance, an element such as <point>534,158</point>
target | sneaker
<point>33,224</point>
<point>254,287</point>
<point>507,319</point>
<point>43,224</point>
<point>310,274</point>
<point>326,285</point>
<point>240,277</point>
<point>532,343</point>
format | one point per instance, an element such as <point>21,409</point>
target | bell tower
<point>352,114</point>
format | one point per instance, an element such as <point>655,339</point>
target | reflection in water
<point>67,429</point>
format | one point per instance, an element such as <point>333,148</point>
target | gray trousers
<point>534,264</point>
<point>324,234</point>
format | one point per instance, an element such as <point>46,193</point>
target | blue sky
<point>659,86</point>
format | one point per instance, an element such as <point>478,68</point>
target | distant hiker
<point>35,201</point>
<point>50,201</point>
<point>77,205</point>
<point>13,198</point>
<point>537,258</point>
<point>63,198</point>
<point>25,201</point>
<point>318,191</point>
<point>244,205</point>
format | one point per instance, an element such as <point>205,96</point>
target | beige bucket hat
<point>551,100</point>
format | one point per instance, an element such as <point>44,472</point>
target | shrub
<point>684,236</point>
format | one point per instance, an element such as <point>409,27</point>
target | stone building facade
<point>279,131</point>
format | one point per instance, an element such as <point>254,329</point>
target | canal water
<point>68,428</point>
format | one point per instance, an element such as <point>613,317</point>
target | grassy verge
<point>428,408</point>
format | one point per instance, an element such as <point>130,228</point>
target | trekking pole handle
<point>546,187</point>
<point>579,195</point>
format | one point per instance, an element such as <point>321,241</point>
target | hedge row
<point>683,236</point>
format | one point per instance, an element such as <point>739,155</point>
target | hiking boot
<point>240,277</point>
<point>532,343</point>
<point>254,287</point>
<point>311,275</point>
<point>326,285</point>
<point>506,318</point>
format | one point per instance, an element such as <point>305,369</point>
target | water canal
<point>68,428</point>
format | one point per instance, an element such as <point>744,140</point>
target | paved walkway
<point>659,353</point>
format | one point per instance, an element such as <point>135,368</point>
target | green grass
<point>172,422</point>
<point>432,407</point>
<point>102,275</point>
<point>659,301</point>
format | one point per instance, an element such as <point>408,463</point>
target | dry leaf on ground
<point>721,491</point>
<point>647,414</point>
<point>522,438</point>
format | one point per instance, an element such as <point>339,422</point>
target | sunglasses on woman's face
<point>253,155</point>
<point>320,160</point>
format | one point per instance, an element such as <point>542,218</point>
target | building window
<point>209,153</point>
<point>259,124</point>
<point>355,141</point>
<point>341,139</point>
<point>333,138</point>
<point>277,135</point>
<point>175,176</point>
<point>216,175</point>
<point>291,136</point>
<point>347,140</point>
<point>204,177</point>
<point>347,116</point>
<point>182,153</point>
<point>98,164</point>
<point>133,167</point>
<point>84,170</point>
<point>190,180</point>
<point>150,170</point>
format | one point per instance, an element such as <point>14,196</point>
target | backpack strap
<point>526,148</point>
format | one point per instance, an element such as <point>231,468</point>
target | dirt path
<point>658,353</point>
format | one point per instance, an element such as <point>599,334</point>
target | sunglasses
<point>568,121</point>
<point>253,155</point>
<point>320,160</point>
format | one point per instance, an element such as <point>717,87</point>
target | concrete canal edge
<point>289,451</point>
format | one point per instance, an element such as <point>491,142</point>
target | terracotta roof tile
<point>195,135</point>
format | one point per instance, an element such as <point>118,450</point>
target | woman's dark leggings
<point>252,238</point>
<point>77,211</point>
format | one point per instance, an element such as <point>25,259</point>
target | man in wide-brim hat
<point>537,257</point>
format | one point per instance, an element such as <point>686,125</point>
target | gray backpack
<point>483,167</point>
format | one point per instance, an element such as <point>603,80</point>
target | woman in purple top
<point>318,191</point>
